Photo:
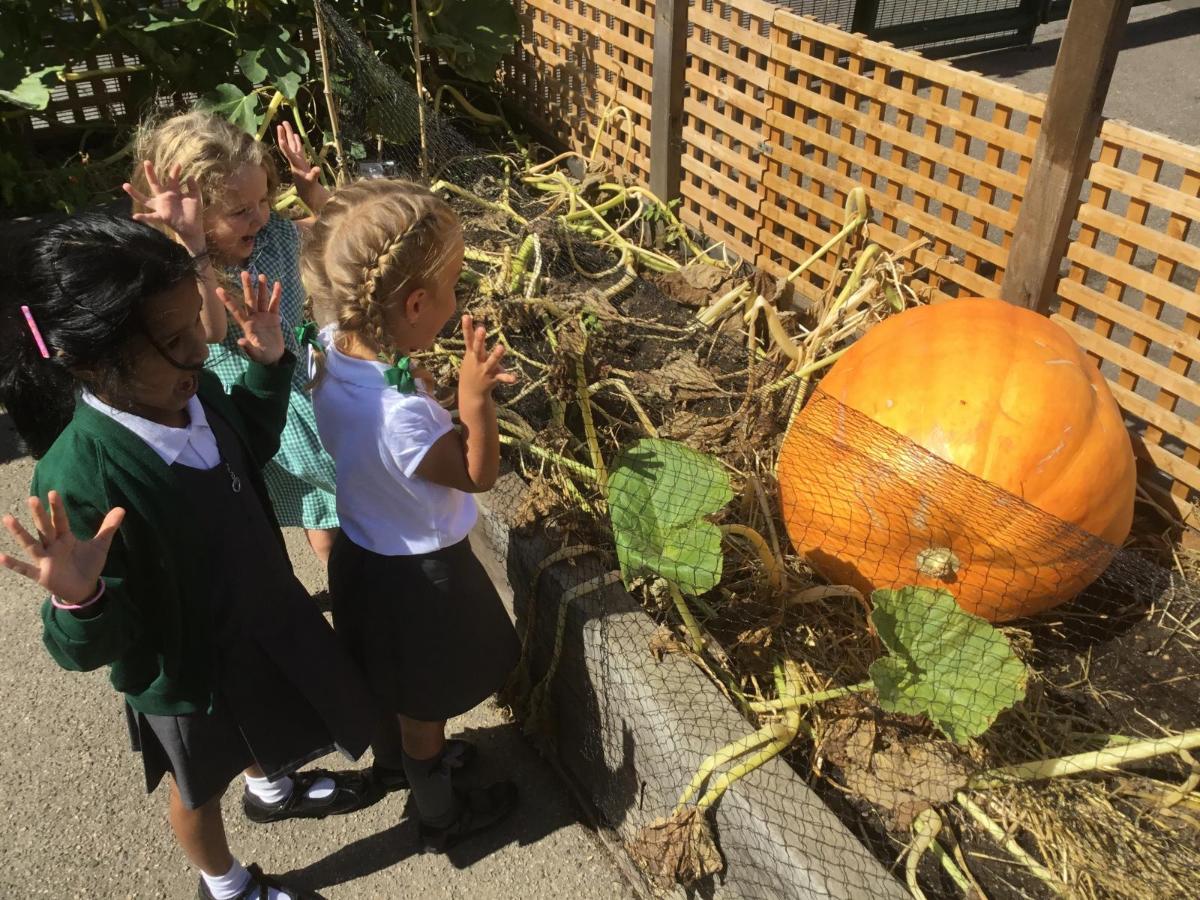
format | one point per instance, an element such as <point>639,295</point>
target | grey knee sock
<point>430,783</point>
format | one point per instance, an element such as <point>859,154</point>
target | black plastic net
<point>749,652</point>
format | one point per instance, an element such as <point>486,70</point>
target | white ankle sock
<point>232,883</point>
<point>268,791</point>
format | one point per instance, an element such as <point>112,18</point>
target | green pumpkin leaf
<point>658,494</point>
<point>32,91</point>
<point>945,662</point>
<point>239,108</point>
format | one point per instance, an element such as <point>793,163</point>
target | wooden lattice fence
<point>783,115</point>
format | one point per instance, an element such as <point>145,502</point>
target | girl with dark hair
<point>155,539</point>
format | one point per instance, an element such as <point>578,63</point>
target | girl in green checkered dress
<point>235,177</point>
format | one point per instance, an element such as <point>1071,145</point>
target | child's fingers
<point>108,528</point>
<point>149,218</point>
<point>173,177</point>
<point>136,195</point>
<point>28,542</point>
<point>248,288</point>
<point>60,522</point>
<point>193,187</point>
<point>276,296</point>
<point>468,330</point>
<point>41,520</point>
<point>19,566</point>
<point>505,377</point>
<point>152,178</point>
<point>234,310</point>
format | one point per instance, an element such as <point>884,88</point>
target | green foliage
<point>945,663</point>
<point>473,35</point>
<point>659,492</point>
<point>210,47</point>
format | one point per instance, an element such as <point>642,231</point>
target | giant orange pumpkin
<point>969,445</point>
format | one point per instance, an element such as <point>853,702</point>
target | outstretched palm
<point>292,147</point>
<point>61,563</point>
<point>172,204</point>
<point>258,316</point>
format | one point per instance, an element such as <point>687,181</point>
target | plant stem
<point>416,36</point>
<point>571,465</point>
<point>589,424</point>
<point>1080,763</point>
<point>746,766</point>
<point>759,543</point>
<point>768,733</point>
<point>89,74</point>
<point>268,117</point>
<point>689,620</point>
<point>787,703</point>
<point>330,104</point>
<point>1008,843</point>
<point>479,201</point>
<point>623,389</point>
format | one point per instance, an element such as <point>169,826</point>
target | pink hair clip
<point>37,335</point>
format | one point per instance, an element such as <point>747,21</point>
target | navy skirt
<point>429,631</point>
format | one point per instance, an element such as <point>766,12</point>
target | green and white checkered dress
<point>300,479</point>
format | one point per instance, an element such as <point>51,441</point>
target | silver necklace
<point>234,481</point>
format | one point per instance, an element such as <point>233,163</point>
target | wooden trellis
<point>784,115</point>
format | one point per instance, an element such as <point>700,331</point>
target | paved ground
<point>1156,84</point>
<point>75,821</point>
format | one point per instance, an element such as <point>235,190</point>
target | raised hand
<point>173,205</point>
<point>258,316</point>
<point>293,151</point>
<point>481,371</point>
<point>61,563</point>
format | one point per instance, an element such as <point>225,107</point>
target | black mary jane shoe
<point>352,791</point>
<point>478,810</point>
<point>259,888</point>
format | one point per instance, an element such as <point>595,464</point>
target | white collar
<point>361,372</point>
<point>169,443</point>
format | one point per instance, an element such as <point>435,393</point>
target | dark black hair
<point>86,281</point>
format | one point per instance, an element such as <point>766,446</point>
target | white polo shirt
<point>378,437</point>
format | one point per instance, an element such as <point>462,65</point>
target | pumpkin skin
<point>998,406</point>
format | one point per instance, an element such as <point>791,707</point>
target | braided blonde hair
<point>206,146</point>
<point>376,242</point>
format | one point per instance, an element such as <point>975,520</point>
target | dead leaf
<point>696,431</point>
<point>677,849</point>
<point>663,642</point>
<point>680,377</point>
<point>696,284</point>
<point>900,776</point>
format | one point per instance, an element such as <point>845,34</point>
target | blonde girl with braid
<point>210,185</point>
<point>411,602</point>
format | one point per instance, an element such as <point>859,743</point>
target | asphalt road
<point>75,820</point>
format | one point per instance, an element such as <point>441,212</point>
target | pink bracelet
<point>71,607</point>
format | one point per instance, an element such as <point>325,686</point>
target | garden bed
<point>1120,663</point>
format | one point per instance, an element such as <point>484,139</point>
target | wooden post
<point>666,98</point>
<point>1082,74</point>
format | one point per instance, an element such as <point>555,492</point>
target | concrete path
<point>75,820</point>
<point>1156,84</point>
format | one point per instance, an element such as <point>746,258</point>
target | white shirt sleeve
<point>413,424</point>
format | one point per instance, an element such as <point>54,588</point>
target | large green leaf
<point>659,492</point>
<point>473,35</point>
<point>32,91</point>
<point>945,662</point>
<point>239,108</point>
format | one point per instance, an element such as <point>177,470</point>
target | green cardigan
<point>151,628</point>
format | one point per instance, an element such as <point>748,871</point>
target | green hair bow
<point>400,375</point>
<point>307,335</point>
